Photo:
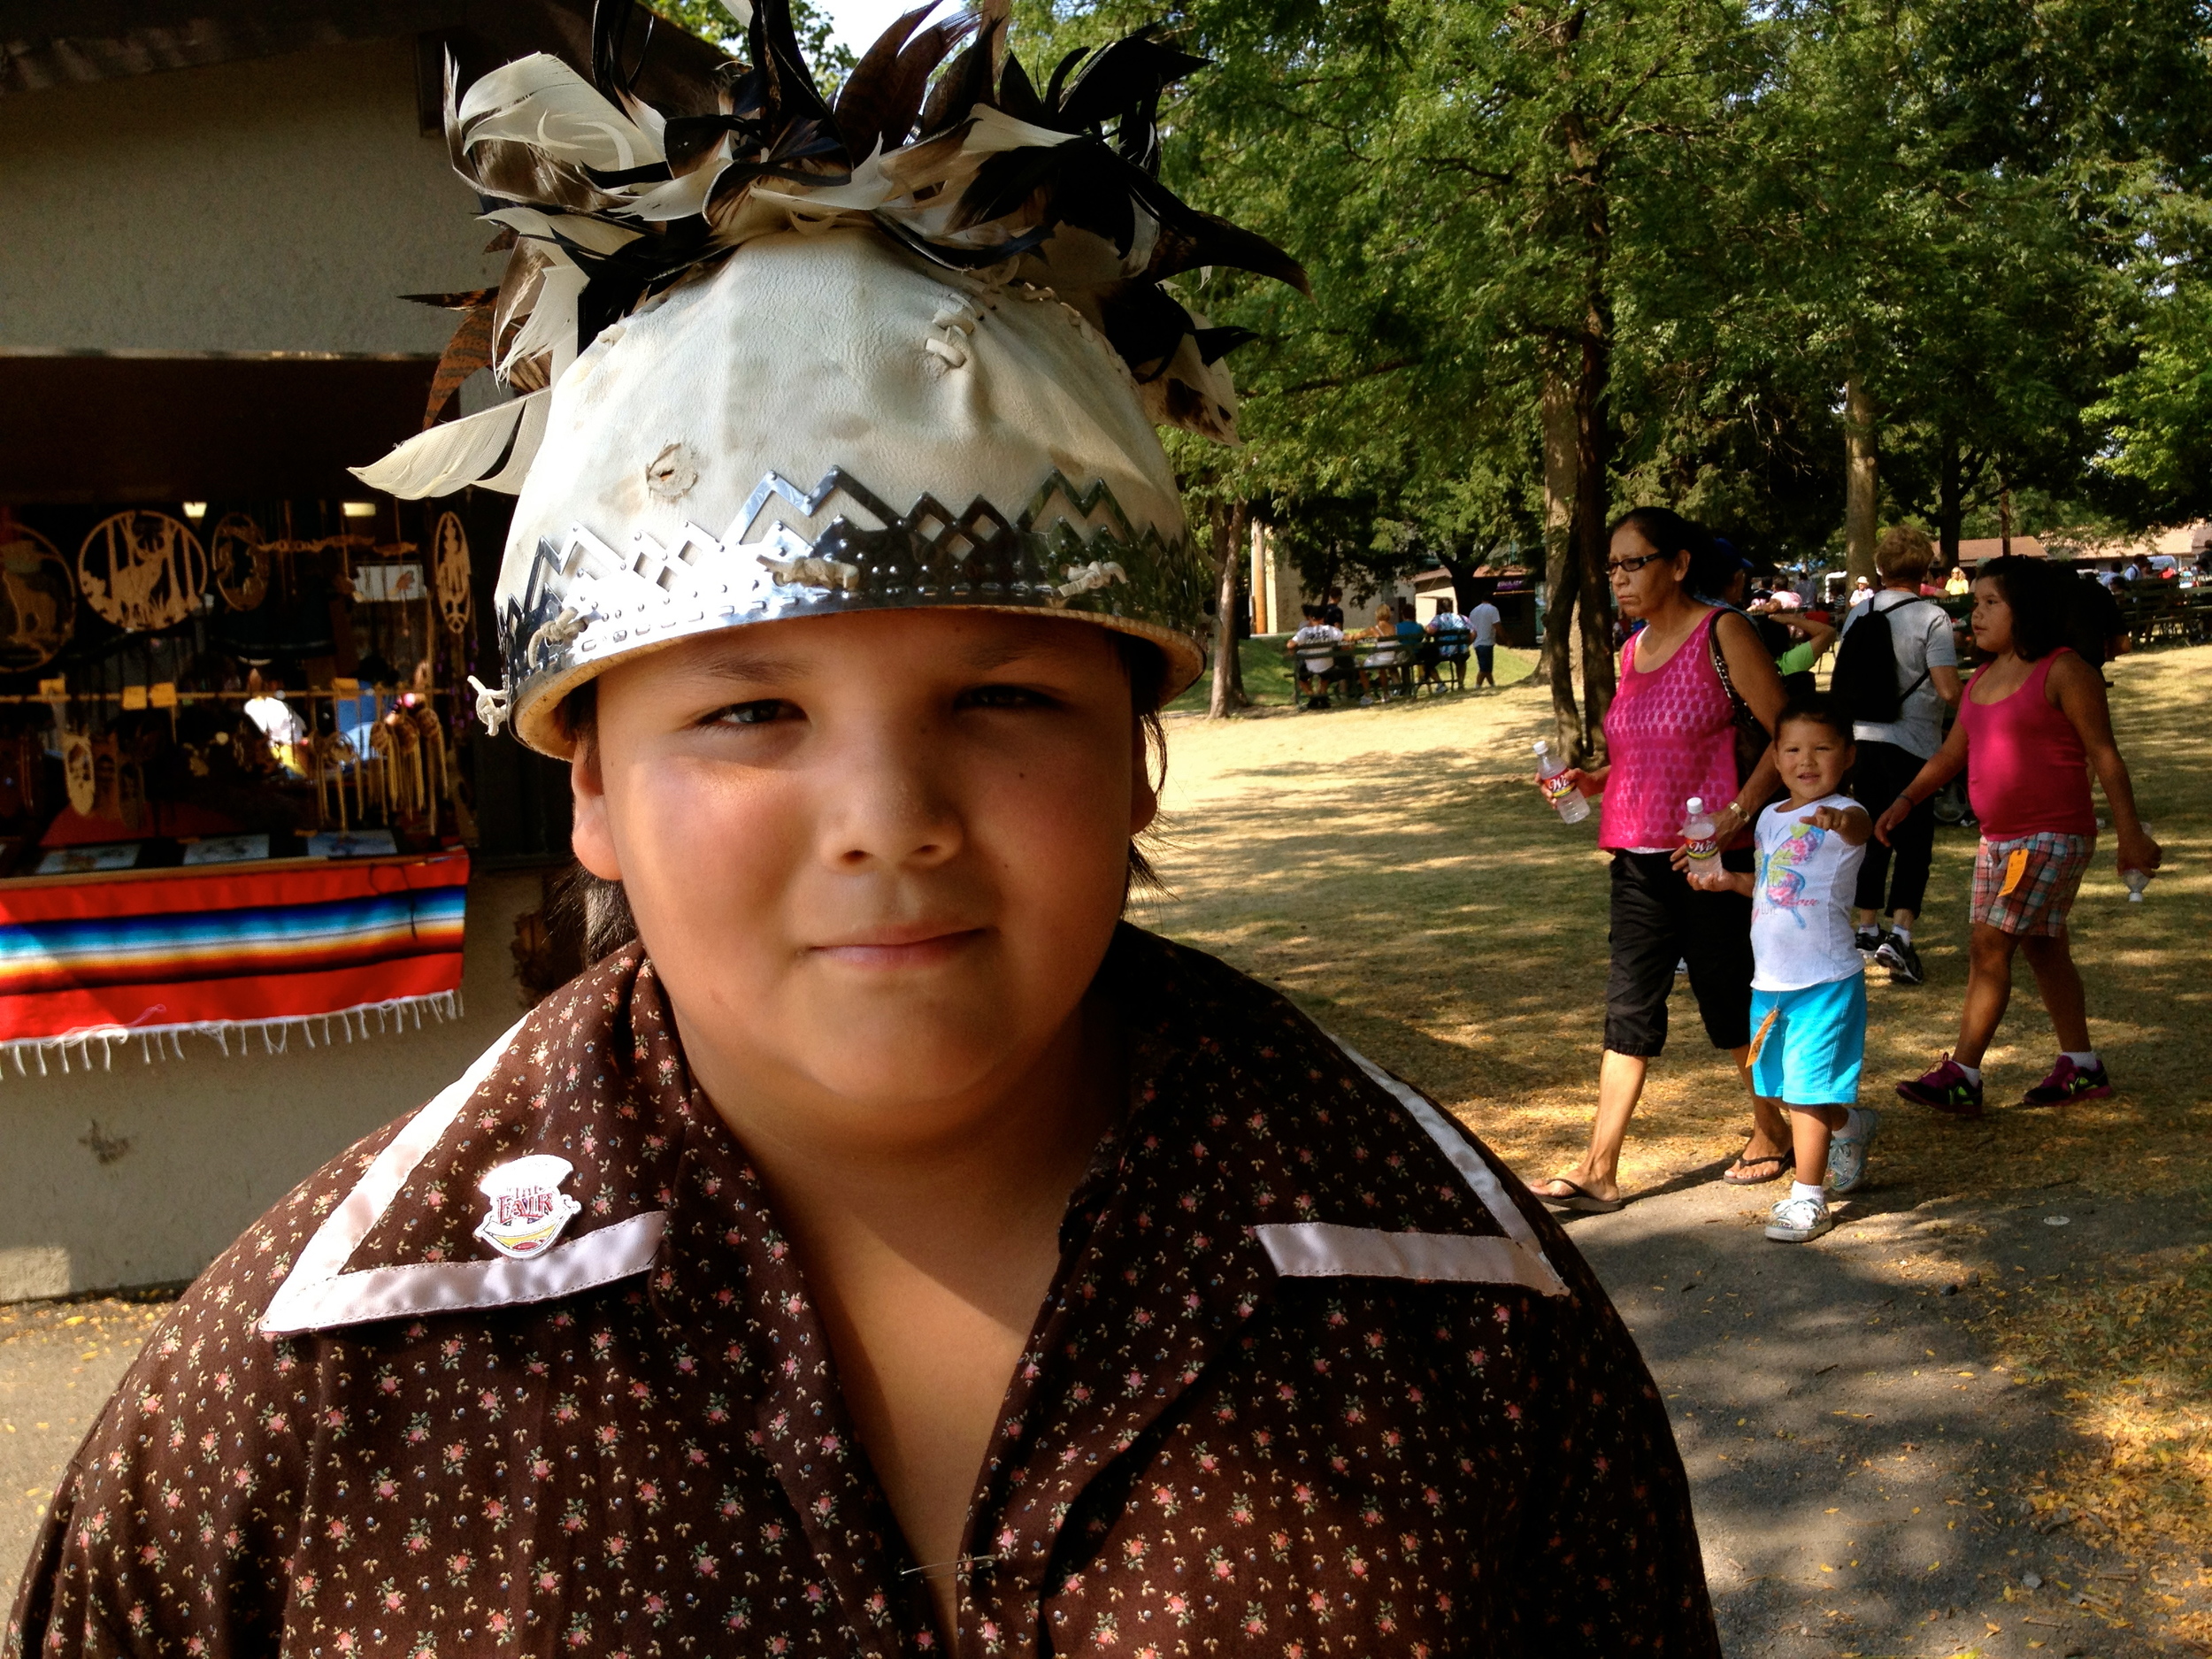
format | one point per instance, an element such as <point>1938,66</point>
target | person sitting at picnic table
<point>1315,668</point>
<point>1453,635</point>
<point>1413,640</point>
<point>1375,667</point>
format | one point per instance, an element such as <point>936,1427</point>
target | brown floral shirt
<point>1315,1378</point>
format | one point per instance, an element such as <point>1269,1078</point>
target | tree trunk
<point>1950,501</point>
<point>2004,514</point>
<point>1861,500</point>
<point>1562,580</point>
<point>1233,534</point>
<point>1593,445</point>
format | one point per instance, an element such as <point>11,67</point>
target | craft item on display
<point>78,771</point>
<point>106,795</point>
<point>449,559</point>
<point>242,562</point>
<point>334,756</point>
<point>388,584</point>
<point>162,695</point>
<point>143,570</point>
<point>40,599</point>
<point>133,699</point>
<point>225,849</point>
<point>396,743</point>
<point>77,861</point>
<point>328,953</point>
<point>363,843</point>
<point>132,809</point>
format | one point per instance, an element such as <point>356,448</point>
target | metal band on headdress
<point>1020,238</point>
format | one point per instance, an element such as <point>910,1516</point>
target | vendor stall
<point>231,799</point>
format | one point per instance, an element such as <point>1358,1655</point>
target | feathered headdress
<point>940,139</point>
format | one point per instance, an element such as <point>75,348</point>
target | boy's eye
<point>767,710</point>
<point>1002,697</point>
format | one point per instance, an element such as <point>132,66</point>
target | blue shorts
<point>1806,1045</point>
<point>1486,656</point>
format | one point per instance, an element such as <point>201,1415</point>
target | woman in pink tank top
<point>1671,734</point>
<point>2033,720</point>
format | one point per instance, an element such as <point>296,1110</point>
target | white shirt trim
<point>1324,1249</point>
<point>318,1295</point>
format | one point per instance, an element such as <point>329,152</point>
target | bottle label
<point>1701,850</point>
<point>1556,788</point>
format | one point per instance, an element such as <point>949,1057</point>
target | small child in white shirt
<point>1808,992</point>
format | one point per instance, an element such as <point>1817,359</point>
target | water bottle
<point>1698,839</point>
<point>2137,880</point>
<point>1570,803</point>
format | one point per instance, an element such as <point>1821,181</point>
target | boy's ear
<point>591,835</point>
<point>1144,794</point>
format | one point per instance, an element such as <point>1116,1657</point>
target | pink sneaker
<point>2069,1082</point>
<point>1948,1089</point>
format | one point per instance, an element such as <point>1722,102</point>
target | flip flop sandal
<point>1781,1167</point>
<point>1579,1198</point>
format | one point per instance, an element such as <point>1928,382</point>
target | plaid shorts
<point>2026,887</point>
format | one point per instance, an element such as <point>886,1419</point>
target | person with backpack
<point>1896,673</point>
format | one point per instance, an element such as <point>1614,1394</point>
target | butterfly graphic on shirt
<point>1781,870</point>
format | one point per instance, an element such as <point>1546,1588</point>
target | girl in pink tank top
<point>2026,769</point>
<point>2030,723</point>
<point>1671,734</point>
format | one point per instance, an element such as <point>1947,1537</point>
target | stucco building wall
<point>279,204</point>
<point>195,1148</point>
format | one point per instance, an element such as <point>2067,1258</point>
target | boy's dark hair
<point>1312,613</point>
<point>1669,534</point>
<point>2040,622</point>
<point>1816,708</point>
<point>598,912</point>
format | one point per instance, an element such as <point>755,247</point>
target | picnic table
<point>1398,660</point>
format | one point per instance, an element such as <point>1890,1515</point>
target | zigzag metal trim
<point>1071,547</point>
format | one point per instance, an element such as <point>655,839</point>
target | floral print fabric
<point>1195,1455</point>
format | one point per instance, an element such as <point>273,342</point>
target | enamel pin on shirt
<point>528,1210</point>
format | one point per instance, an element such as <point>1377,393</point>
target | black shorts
<point>1658,920</point>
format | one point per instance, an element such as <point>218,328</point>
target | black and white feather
<point>939,138</point>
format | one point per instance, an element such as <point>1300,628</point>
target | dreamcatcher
<point>242,562</point>
<point>143,570</point>
<point>40,597</point>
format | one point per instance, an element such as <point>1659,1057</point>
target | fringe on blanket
<point>234,1037</point>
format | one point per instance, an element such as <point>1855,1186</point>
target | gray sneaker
<point>1902,961</point>
<point>1847,1152</point>
<point>1798,1221</point>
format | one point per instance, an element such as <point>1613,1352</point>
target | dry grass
<point>1390,869</point>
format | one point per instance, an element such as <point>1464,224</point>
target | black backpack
<point>1865,677</point>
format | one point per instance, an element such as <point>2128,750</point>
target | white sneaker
<point>1798,1221</point>
<point>1847,1153</point>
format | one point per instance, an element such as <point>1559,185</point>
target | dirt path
<point>1863,1471</point>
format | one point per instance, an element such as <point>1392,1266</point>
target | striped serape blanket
<point>227,952</point>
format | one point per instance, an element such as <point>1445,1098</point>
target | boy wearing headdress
<point>883,1249</point>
